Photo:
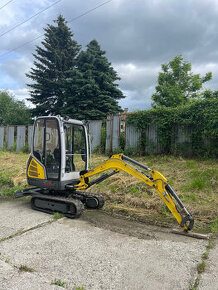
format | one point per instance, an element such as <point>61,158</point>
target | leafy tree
<point>177,85</point>
<point>54,69</point>
<point>208,94</point>
<point>98,94</point>
<point>13,112</point>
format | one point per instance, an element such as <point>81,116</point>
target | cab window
<point>75,147</point>
<point>53,152</point>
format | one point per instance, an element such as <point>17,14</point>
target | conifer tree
<point>54,70</point>
<point>68,81</point>
<point>98,93</point>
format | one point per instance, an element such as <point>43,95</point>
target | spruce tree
<point>98,92</point>
<point>54,70</point>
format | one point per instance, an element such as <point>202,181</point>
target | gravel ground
<point>95,251</point>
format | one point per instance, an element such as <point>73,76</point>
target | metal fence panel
<point>132,137</point>
<point>30,136</point>
<point>10,142</point>
<point>183,135</point>
<point>109,124</point>
<point>2,131</point>
<point>183,141</point>
<point>116,133</point>
<point>95,133</point>
<point>21,133</point>
<point>152,142</point>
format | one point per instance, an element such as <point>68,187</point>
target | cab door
<point>75,150</point>
<point>46,146</point>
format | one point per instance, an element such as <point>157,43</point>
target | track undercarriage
<point>70,204</point>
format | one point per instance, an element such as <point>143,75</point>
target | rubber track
<point>75,202</point>
<point>85,195</point>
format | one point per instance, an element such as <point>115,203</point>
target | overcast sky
<point>138,37</point>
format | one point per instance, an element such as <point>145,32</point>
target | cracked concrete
<point>96,251</point>
<point>209,279</point>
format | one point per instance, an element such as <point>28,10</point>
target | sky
<point>138,36</point>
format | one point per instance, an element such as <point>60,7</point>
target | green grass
<point>214,226</point>
<point>12,172</point>
<point>205,255</point>
<point>134,190</point>
<point>5,179</point>
<point>201,179</point>
<point>195,285</point>
<point>25,268</point>
<point>201,267</point>
<point>79,288</point>
<point>60,283</point>
<point>191,164</point>
<point>210,245</point>
<point>57,215</point>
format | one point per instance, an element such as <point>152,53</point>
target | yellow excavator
<point>58,171</point>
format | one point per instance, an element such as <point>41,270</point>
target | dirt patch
<point>122,225</point>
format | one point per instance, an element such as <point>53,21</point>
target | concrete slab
<point>17,215</point>
<point>79,253</point>
<point>13,279</point>
<point>209,279</point>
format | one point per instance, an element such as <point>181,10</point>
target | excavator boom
<point>155,179</point>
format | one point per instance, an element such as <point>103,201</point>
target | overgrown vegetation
<point>12,172</point>
<point>195,181</point>
<point>199,119</point>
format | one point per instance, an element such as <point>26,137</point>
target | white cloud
<point>21,94</point>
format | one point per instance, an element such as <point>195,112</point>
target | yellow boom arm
<point>155,180</point>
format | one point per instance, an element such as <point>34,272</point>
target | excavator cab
<point>59,152</point>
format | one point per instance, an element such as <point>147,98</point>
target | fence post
<point>10,136</point>
<point>116,133</point>
<point>109,125</point>
<point>30,136</point>
<point>21,133</point>
<point>2,131</point>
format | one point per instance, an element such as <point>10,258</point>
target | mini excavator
<point>58,171</point>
